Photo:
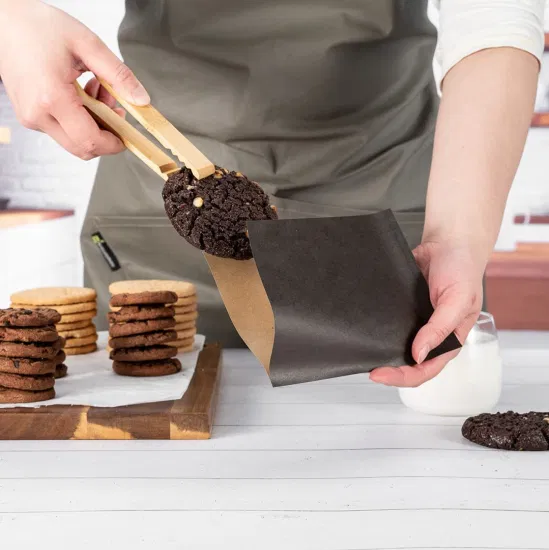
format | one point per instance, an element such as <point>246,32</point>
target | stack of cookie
<point>77,307</point>
<point>140,331</point>
<point>30,354</point>
<point>186,307</point>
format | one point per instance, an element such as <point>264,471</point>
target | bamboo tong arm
<point>135,141</point>
<point>155,123</point>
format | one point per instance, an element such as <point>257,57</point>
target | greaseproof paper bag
<point>327,297</point>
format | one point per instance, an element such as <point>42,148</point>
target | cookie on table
<point>140,327</point>
<point>182,289</point>
<point>27,318</point>
<point>150,353</point>
<point>88,330</point>
<point>81,350</point>
<point>64,327</point>
<point>27,366</point>
<point>509,431</point>
<point>9,395</point>
<point>211,213</point>
<point>147,368</point>
<point>60,371</point>
<point>54,296</point>
<point>31,334</point>
<point>142,298</point>
<point>38,350</point>
<point>64,309</point>
<point>37,382</point>
<point>80,342</point>
<point>140,313</point>
<point>143,340</point>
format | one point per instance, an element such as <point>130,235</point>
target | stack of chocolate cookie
<point>30,354</point>
<point>186,307</point>
<point>140,333</point>
<point>77,307</point>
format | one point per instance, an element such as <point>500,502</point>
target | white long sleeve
<point>468,26</point>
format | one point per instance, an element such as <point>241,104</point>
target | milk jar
<point>469,384</point>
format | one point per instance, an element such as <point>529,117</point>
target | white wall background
<point>35,172</point>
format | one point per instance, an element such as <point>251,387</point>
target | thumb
<point>448,315</point>
<point>95,55</point>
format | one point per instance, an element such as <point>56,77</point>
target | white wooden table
<point>338,464</point>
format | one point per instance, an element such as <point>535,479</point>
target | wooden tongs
<point>155,123</point>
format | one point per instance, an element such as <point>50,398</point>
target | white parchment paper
<point>92,382</point>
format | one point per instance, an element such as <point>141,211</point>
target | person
<point>331,106</point>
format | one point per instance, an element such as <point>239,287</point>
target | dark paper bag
<point>327,297</point>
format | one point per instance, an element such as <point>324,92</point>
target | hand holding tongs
<point>155,123</point>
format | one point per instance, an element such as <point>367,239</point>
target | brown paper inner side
<point>247,303</point>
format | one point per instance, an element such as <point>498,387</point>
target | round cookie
<point>185,334</point>
<point>81,350</point>
<point>74,317</point>
<point>65,309</point>
<point>32,367</point>
<point>80,342</point>
<point>64,327</point>
<point>38,334</point>
<point>45,350</point>
<point>180,327</point>
<point>185,317</point>
<point>140,327</point>
<point>211,213</point>
<point>181,288</point>
<point>60,357</point>
<point>54,296</point>
<point>140,313</point>
<point>189,301</point>
<point>142,298</point>
<point>60,371</point>
<point>181,310</point>
<point>8,395</point>
<point>183,343</point>
<point>143,340</point>
<point>78,332</point>
<point>26,318</point>
<point>27,382</point>
<point>148,368</point>
<point>509,431</point>
<point>150,353</point>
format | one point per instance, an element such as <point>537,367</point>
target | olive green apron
<point>329,104</point>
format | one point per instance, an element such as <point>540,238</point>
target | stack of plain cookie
<point>77,307</point>
<point>186,306</point>
<point>30,355</point>
<point>141,330</point>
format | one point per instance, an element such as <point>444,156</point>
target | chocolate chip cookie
<point>140,327</point>
<point>510,431</point>
<point>151,353</point>
<point>143,298</point>
<point>211,213</point>
<point>39,317</point>
<point>9,395</point>
<point>45,350</point>
<point>27,366</point>
<point>37,334</point>
<point>60,371</point>
<point>27,382</point>
<point>143,340</point>
<point>140,313</point>
<point>147,368</point>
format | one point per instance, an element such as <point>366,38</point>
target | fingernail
<point>423,354</point>
<point>140,96</point>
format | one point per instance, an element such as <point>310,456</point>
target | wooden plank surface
<point>190,417</point>
<point>335,465</point>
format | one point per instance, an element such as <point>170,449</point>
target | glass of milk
<point>469,384</point>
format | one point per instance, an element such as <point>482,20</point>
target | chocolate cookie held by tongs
<point>312,298</point>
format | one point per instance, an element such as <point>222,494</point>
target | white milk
<point>469,384</point>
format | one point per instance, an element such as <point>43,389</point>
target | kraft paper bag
<point>327,297</point>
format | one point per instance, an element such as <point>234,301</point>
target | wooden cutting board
<point>190,417</point>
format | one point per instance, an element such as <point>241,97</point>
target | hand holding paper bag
<point>327,297</point>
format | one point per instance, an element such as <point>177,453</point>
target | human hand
<point>42,52</point>
<point>454,276</point>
